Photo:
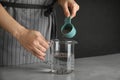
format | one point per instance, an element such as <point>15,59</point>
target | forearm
<point>9,24</point>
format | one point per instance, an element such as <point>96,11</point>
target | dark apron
<point>32,14</point>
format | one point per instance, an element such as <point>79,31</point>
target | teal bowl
<point>68,30</point>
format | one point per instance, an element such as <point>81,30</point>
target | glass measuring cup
<point>62,58</point>
<point>68,30</point>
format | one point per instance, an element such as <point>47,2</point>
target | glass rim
<point>65,41</point>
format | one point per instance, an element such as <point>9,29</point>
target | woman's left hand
<point>70,7</point>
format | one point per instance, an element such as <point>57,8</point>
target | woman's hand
<point>34,42</point>
<point>70,7</point>
<point>31,40</point>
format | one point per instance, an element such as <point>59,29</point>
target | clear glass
<point>62,56</point>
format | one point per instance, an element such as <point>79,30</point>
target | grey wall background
<point>98,27</point>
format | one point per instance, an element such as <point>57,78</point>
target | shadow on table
<point>33,69</point>
<point>1,77</point>
<point>43,72</point>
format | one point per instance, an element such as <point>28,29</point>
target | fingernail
<point>44,54</point>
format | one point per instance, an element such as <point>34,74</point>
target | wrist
<point>19,31</point>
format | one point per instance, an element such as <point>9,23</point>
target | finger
<point>40,57</point>
<point>41,48</point>
<point>73,14</point>
<point>66,10</point>
<point>34,53</point>
<point>37,45</point>
<point>42,40</point>
<point>44,43</point>
<point>74,11</point>
<point>38,51</point>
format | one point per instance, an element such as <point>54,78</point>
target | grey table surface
<point>90,68</point>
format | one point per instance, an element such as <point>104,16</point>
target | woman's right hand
<point>70,7</point>
<point>34,42</point>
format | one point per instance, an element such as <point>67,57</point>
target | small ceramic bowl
<point>68,30</point>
